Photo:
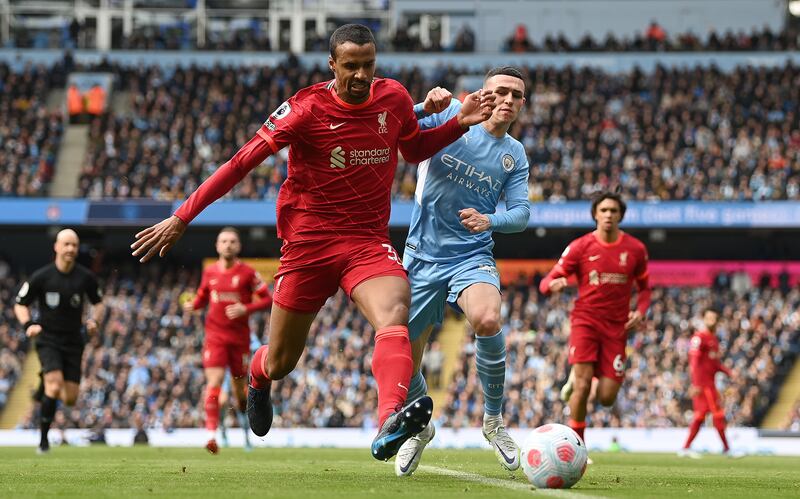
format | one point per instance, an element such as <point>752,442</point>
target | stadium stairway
<point>789,394</point>
<point>71,155</point>
<point>20,399</point>
<point>450,339</point>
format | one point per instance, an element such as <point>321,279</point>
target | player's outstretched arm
<point>162,236</point>
<point>158,239</point>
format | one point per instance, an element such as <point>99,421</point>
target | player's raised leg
<point>384,302</point>
<point>481,304</point>
<point>287,339</point>
<point>584,371</point>
<point>214,377</point>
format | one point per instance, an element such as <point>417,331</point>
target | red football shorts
<point>312,271</point>
<point>706,401</point>
<point>603,347</point>
<point>231,355</point>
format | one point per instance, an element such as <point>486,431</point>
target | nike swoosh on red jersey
<point>334,127</point>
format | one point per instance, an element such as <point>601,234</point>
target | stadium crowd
<point>144,370</point>
<point>250,35</point>
<point>656,39</point>
<point>689,134</point>
<point>759,335</point>
<point>13,343</point>
<point>793,419</point>
<point>30,134</point>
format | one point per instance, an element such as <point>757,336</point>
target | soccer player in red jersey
<point>703,365</point>
<point>227,287</point>
<point>607,262</point>
<point>333,213</point>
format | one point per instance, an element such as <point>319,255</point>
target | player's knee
<point>581,387</point>
<point>395,314</point>
<point>719,421</point>
<point>607,399</point>
<point>278,370</point>
<point>488,324</point>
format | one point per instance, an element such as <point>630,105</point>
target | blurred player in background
<point>448,252</point>
<point>59,290</point>
<point>704,363</point>
<point>607,263</point>
<point>227,286</point>
<point>333,213</point>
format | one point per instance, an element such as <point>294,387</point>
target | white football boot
<point>506,450</point>
<point>411,451</point>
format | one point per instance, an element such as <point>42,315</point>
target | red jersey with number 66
<point>606,275</point>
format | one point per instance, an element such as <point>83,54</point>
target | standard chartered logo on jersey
<point>341,158</point>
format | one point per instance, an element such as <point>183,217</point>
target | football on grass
<point>554,457</point>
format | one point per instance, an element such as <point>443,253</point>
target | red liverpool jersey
<point>342,160</point>
<point>222,287</point>
<point>704,359</point>
<point>606,274</point>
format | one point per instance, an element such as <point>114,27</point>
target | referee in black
<point>59,290</point>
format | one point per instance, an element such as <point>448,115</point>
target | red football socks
<point>212,407</point>
<point>391,366</point>
<point>719,424</point>
<point>694,428</point>
<point>258,376</point>
<point>578,426</point>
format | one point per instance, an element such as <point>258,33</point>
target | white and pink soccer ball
<point>554,457</point>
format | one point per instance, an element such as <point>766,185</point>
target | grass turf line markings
<point>496,482</point>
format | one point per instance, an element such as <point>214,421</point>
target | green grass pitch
<point>352,473</point>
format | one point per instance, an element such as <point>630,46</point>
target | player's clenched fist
<point>474,221</point>
<point>558,284</point>
<point>437,100</point>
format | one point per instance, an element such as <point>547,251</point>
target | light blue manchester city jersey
<point>472,172</point>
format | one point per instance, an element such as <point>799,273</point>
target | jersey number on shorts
<point>392,253</point>
<point>619,365</point>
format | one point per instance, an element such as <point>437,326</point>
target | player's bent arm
<point>228,175</point>
<point>263,303</point>
<point>421,145</point>
<point>512,220</point>
<point>643,298</point>
<point>556,272</point>
<point>518,211</point>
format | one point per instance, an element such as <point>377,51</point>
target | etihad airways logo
<point>358,157</point>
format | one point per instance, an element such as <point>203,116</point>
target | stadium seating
<point>13,343</point>
<point>793,419</point>
<point>671,135</point>
<point>146,365</point>
<point>759,336</point>
<point>29,133</point>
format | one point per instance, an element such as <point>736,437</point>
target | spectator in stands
<point>519,41</point>
<point>464,40</point>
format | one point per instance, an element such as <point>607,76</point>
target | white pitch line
<point>496,482</point>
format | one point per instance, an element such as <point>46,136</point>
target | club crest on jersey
<point>52,299</point>
<point>235,281</point>
<point>75,301</point>
<point>594,278</point>
<point>623,258</point>
<point>382,123</point>
<point>508,162</point>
